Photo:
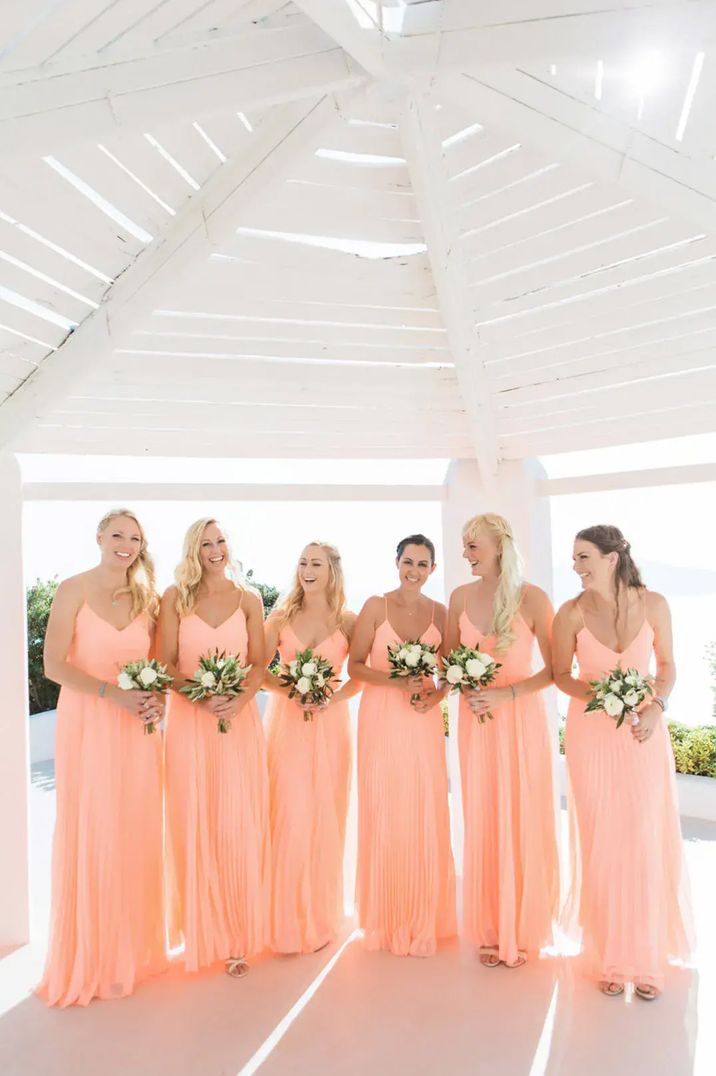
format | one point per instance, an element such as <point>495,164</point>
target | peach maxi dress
<point>406,876</point>
<point>217,814</point>
<point>309,774</point>
<point>510,864</point>
<point>107,921</point>
<point>629,889</point>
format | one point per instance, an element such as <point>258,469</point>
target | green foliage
<point>694,748</point>
<point>444,712</point>
<point>269,594</point>
<point>42,692</point>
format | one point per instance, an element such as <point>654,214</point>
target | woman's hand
<point>148,706</point>
<point>486,699</point>
<point>649,719</point>
<point>225,706</point>
<point>428,700</point>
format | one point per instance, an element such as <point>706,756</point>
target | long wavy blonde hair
<point>141,576</point>
<point>292,603</point>
<point>189,570</point>
<point>508,596</point>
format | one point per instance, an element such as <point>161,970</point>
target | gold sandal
<point>237,967</point>
<point>646,992</point>
<point>489,957</point>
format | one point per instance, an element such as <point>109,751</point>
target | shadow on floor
<point>42,775</point>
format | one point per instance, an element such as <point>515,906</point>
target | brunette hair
<point>416,539</point>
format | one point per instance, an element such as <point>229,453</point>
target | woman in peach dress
<point>309,761</point>
<point>629,890</point>
<point>107,922</point>
<point>406,877</point>
<point>510,863</point>
<point>217,783</point>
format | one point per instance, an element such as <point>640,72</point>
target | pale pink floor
<point>373,1013</point>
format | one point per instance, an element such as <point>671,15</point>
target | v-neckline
<point>397,634</point>
<point>226,621</point>
<point>618,653</point>
<point>108,623</point>
<point>320,642</point>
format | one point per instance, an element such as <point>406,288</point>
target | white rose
<point>486,660</point>
<point>208,679</point>
<point>293,668</point>
<point>220,662</point>
<point>474,668</point>
<point>320,680</point>
<point>412,659</point>
<point>632,679</point>
<point>309,669</point>
<point>125,681</point>
<point>454,674</point>
<point>402,654</point>
<point>613,705</point>
<point>416,648</point>
<point>147,676</point>
<point>616,687</point>
<point>303,686</point>
<point>631,698</point>
<point>430,659</point>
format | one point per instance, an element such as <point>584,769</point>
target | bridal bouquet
<point>218,674</point>
<point>145,675</point>
<point>468,669</point>
<point>619,694</point>
<point>412,658</point>
<point>310,677</point>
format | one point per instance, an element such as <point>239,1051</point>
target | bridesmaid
<point>406,877</point>
<point>629,890</point>
<point>510,871</point>
<point>107,922</point>
<point>217,783</point>
<point>309,761</point>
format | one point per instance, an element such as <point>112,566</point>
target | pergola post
<point>14,750</point>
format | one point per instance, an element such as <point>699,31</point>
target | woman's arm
<point>349,687</point>
<point>435,692</point>
<point>272,631</point>
<point>256,656</point>
<point>168,631</point>
<point>564,643</point>
<point>659,616</point>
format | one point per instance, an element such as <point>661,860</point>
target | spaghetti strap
<point>385,606</point>
<point>241,599</point>
<point>432,614</point>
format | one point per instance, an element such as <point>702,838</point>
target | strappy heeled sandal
<point>645,992</point>
<point>521,960</point>
<point>612,990</point>
<point>489,957</point>
<point>237,967</point>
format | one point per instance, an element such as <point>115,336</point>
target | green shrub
<point>694,748</point>
<point>42,693</point>
<point>269,594</point>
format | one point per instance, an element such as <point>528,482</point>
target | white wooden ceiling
<point>352,229</point>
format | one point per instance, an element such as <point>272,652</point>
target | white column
<point>14,752</point>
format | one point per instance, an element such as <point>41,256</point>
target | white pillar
<point>14,751</point>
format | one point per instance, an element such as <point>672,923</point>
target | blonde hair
<point>189,571</point>
<point>292,603</point>
<point>508,596</point>
<point>141,575</point>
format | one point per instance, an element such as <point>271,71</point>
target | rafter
<point>49,106</point>
<point>366,44</point>
<point>602,147</point>
<point>200,227</point>
<point>422,147</point>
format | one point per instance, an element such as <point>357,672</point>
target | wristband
<point>660,702</point>
<point>102,688</point>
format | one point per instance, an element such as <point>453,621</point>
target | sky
<point>670,529</point>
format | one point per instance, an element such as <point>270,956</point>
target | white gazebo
<point>347,229</point>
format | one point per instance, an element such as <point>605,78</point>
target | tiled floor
<point>372,1013</point>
